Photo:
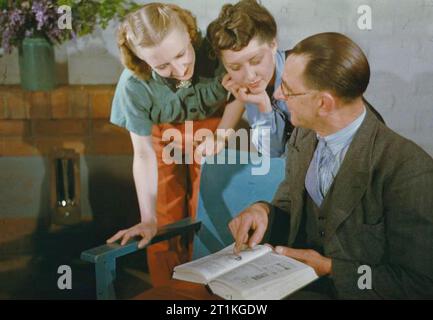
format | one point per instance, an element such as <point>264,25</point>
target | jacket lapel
<point>352,179</point>
<point>301,150</point>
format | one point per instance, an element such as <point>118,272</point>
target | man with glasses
<point>356,196</point>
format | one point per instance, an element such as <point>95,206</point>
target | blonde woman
<point>168,79</point>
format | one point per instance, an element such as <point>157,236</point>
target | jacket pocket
<point>372,239</point>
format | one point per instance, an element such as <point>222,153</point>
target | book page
<point>213,265</point>
<point>267,270</point>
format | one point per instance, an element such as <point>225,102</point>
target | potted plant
<point>33,27</point>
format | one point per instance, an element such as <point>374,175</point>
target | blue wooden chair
<point>225,190</point>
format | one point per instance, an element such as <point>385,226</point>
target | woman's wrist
<point>148,218</point>
<point>266,105</point>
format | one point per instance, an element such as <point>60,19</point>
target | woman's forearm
<point>232,115</point>
<point>145,171</point>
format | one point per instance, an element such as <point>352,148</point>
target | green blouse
<point>138,104</point>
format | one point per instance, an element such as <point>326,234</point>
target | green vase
<point>37,64</point>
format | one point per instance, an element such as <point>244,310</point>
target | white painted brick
<point>399,48</point>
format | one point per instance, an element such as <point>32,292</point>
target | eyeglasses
<point>288,95</point>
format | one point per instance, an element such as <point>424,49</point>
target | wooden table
<point>178,290</point>
<point>183,290</point>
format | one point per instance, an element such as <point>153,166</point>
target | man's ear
<point>327,103</point>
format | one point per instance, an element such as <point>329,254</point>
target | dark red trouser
<point>178,188</point>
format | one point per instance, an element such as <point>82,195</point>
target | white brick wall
<point>399,47</point>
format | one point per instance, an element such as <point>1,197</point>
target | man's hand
<point>253,218</point>
<point>146,230</point>
<point>242,94</point>
<point>322,265</point>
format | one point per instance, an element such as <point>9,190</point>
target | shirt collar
<point>341,138</point>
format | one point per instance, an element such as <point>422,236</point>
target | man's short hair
<point>335,63</point>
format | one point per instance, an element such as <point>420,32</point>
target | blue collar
<point>341,138</point>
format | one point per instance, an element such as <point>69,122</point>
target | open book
<point>257,273</point>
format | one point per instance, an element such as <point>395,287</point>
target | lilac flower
<point>26,18</point>
<point>16,18</point>
<point>40,10</point>
<point>6,40</point>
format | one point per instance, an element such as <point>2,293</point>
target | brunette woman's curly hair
<point>237,24</point>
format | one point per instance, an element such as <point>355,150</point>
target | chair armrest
<point>115,250</point>
<point>104,257</point>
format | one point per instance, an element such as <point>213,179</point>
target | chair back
<point>228,185</point>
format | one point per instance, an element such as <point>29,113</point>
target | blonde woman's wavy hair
<point>147,27</point>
